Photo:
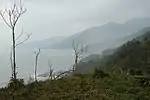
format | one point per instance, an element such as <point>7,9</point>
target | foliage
<point>81,87</point>
<point>100,74</point>
<point>132,57</point>
<point>15,84</point>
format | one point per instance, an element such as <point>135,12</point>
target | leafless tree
<point>17,44</point>
<point>37,53</point>
<point>11,16</point>
<point>78,53</point>
<point>50,70</point>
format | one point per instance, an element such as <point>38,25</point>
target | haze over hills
<point>43,44</point>
<point>129,55</point>
<point>113,45</point>
<point>97,48</point>
<point>111,60</point>
<point>104,33</point>
<point>97,38</point>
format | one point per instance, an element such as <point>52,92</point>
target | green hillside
<point>98,86</point>
<point>133,55</point>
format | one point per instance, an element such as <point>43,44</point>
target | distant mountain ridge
<point>99,47</point>
<point>90,36</point>
<point>104,33</point>
<point>97,38</point>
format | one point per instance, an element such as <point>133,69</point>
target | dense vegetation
<point>97,86</point>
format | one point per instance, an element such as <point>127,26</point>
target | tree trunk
<point>14,54</point>
<point>36,59</point>
<point>75,64</point>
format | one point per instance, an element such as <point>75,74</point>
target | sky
<point>50,18</point>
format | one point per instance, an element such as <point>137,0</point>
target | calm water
<point>61,59</point>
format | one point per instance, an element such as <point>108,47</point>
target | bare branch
<point>6,22</point>
<point>78,52</point>
<point>13,9</point>
<point>10,19</point>
<point>19,13</point>
<point>66,72</point>
<point>17,18</point>
<point>28,36</point>
<point>19,35</point>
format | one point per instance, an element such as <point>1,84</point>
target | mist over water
<point>61,59</point>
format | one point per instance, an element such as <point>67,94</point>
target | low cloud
<point>47,18</point>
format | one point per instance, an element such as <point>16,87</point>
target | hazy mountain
<point>104,33</point>
<point>138,23</point>
<point>42,43</point>
<point>127,55</point>
<point>93,35</point>
<point>114,43</point>
<point>108,48</point>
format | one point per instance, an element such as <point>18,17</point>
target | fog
<point>49,18</point>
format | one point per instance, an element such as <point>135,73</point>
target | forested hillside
<point>133,55</point>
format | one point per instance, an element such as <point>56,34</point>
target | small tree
<point>50,70</point>
<point>78,53</point>
<point>11,16</point>
<point>37,53</point>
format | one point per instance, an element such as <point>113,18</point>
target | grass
<point>80,87</point>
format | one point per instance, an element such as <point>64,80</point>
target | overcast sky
<point>47,18</point>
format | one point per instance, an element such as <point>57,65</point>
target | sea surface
<point>61,60</point>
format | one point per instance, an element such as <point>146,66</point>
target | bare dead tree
<point>79,49</point>
<point>10,17</point>
<point>78,53</point>
<point>17,44</point>
<point>37,53</point>
<point>50,70</point>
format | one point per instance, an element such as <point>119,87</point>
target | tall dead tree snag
<point>37,53</point>
<point>16,45</point>
<point>78,53</point>
<point>10,17</point>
